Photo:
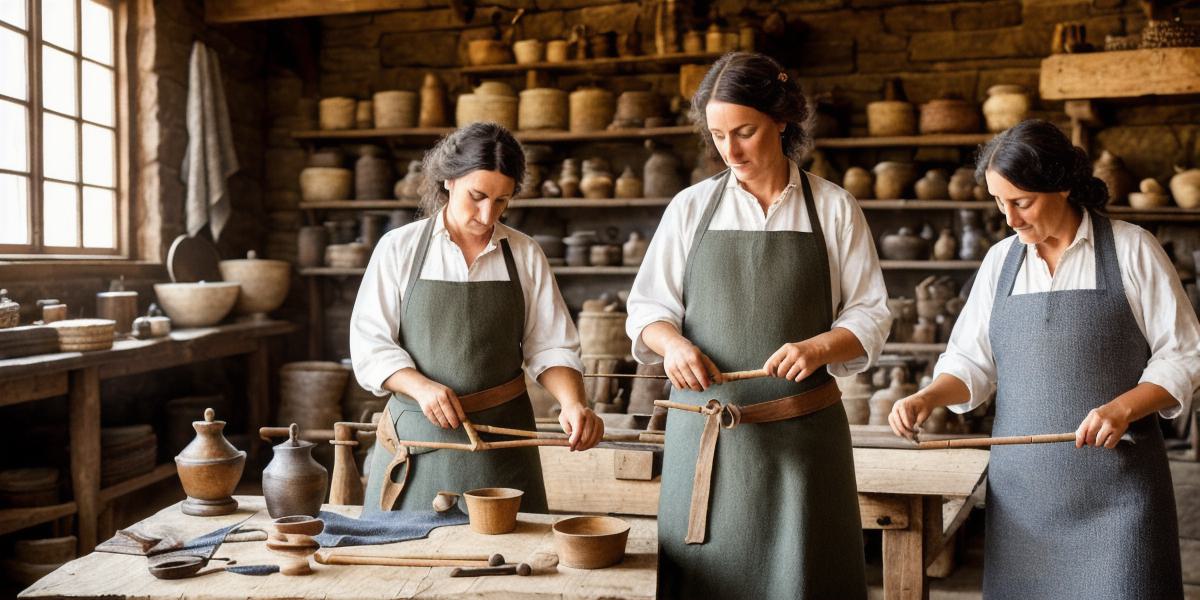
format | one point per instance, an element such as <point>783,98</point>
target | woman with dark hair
<point>449,309</point>
<point>1079,323</point>
<point>766,267</point>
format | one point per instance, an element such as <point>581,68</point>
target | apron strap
<point>810,203</point>
<point>511,264</point>
<point>1108,268</point>
<point>418,263</point>
<point>1008,273</point>
<point>710,209</point>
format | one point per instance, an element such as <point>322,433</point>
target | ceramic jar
<point>605,255</point>
<point>579,246</point>
<point>660,175</point>
<point>859,182</point>
<point>892,179</point>
<point>597,180</point>
<point>293,482</point>
<point>962,185</point>
<point>902,245</point>
<point>1185,188</point>
<point>1110,169</point>
<point>634,249</point>
<point>933,186</point>
<point>1005,106</point>
<point>821,167</point>
<point>552,246</point>
<point>209,469</point>
<point>945,246</point>
<point>409,188</point>
<point>856,398</point>
<point>628,185</point>
<point>373,174</point>
<point>433,103</point>
<point>973,240</point>
<point>568,178</point>
<point>882,401</point>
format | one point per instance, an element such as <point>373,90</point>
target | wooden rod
<point>1046,438</point>
<point>524,444</point>
<point>547,435</point>
<point>730,376</point>
<point>326,557</point>
<point>680,406</point>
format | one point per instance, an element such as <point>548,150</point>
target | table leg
<point>258,391</point>
<point>316,318</point>
<point>85,452</point>
<point>904,550</point>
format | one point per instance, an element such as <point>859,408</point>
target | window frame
<point>37,250</point>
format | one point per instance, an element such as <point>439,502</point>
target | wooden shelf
<point>592,64</point>
<point>358,205</point>
<point>430,133</point>
<point>1166,214</point>
<point>1124,74</point>
<point>16,519</point>
<point>332,271</point>
<point>950,139</point>
<point>868,204</point>
<point>160,473</point>
<point>930,265</point>
<point>595,270</point>
<point>519,203</point>
<point>908,348</point>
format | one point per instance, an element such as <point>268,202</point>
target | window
<point>58,128</point>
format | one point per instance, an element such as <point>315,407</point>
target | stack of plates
<point>126,452</point>
<point>27,488</point>
<point>34,559</point>
<point>82,335</point>
<point>27,341</point>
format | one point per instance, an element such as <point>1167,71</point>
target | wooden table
<point>102,575</point>
<point>919,498</point>
<point>78,375</point>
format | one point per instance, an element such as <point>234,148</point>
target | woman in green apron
<point>450,309</point>
<point>1079,323</point>
<point>763,266</point>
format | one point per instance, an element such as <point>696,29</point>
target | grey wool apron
<point>783,517</point>
<point>1064,522</point>
<point>466,336</point>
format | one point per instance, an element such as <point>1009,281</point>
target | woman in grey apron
<point>763,266</point>
<point>1080,324</point>
<point>449,310</point>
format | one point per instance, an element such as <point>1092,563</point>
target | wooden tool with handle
<point>329,557</point>
<point>521,569</point>
<point>1045,438</point>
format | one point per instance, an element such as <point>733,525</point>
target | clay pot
<point>409,187</point>
<point>579,246</point>
<point>892,179</point>
<point>364,114</point>
<point>933,186</point>
<point>488,52</point>
<point>635,107</point>
<point>433,103</point>
<point>373,175</point>
<point>568,179</point>
<point>859,182</point>
<point>628,185</point>
<point>882,401</point>
<point>948,115</point>
<point>293,483</point>
<point>945,246</point>
<point>209,469</point>
<point>693,42</point>
<point>597,181</point>
<point>973,239</point>
<point>634,249</point>
<point>903,245</point>
<point>856,396</point>
<point>528,51</point>
<point>962,185</point>
<point>660,175</point>
<point>119,306</point>
<point>199,304</point>
<point>590,542</point>
<point>264,283</point>
<point>605,255</point>
<point>336,113</point>
<point>1005,106</point>
<point>321,184</point>
<point>311,242</point>
<point>1185,187</point>
<point>556,51</point>
<point>1110,169</point>
<point>395,109</point>
<point>1151,196</point>
<point>493,511</point>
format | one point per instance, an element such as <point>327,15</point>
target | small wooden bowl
<point>299,524</point>
<point>493,510</point>
<point>591,542</point>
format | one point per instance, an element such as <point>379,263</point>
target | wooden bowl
<point>299,524</point>
<point>199,304</point>
<point>591,542</point>
<point>264,283</point>
<point>493,510</point>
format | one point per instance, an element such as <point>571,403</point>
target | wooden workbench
<point>101,575</point>
<point>78,375</point>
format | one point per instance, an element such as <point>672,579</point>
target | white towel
<point>210,158</point>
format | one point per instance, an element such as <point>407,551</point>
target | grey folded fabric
<point>380,527</point>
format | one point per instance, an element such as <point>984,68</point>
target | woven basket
<point>10,312</point>
<point>364,114</point>
<point>336,113</point>
<point>373,174</point>
<point>528,51</point>
<point>83,335</point>
<point>1170,34</point>
<point>395,108</point>
<point>949,115</point>
<point>322,184</point>
<point>310,393</point>
<point>690,77</point>
<point>891,118</point>
<point>634,107</point>
<point>347,256</point>
<point>592,109</point>
<point>476,108</point>
<point>542,108</point>
<point>603,334</point>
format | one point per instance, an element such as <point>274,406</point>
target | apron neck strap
<point>509,262</point>
<point>1108,270</point>
<point>810,204</point>
<point>418,263</point>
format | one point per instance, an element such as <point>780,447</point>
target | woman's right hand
<point>439,403</point>
<point>687,367</point>
<point>908,414</point>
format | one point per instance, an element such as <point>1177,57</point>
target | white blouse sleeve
<point>375,322</point>
<point>1167,319</point>
<point>550,339</point>
<point>864,311</point>
<point>968,356</point>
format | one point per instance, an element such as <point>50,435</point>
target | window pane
<point>14,208</point>
<point>98,93</point>
<point>13,12</point>
<point>60,144</point>
<point>13,62</point>
<point>14,151</point>
<point>58,81</point>
<point>58,22</point>
<point>99,146</point>
<point>97,32</point>
<point>60,219</point>
<point>99,214</point>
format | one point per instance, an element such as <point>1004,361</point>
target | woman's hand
<point>687,367</point>
<point>908,414</point>
<point>795,361</point>
<point>439,403</point>
<point>583,426</point>
<point>1103,426</point>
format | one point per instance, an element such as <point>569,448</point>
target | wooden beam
<point>904,550</point>
<point>238,11</point>
<point>85,452</point>
<point>34,387</point>
<point>258,392</point>
<point>1124,74</point>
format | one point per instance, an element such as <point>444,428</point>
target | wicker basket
<point>322,184</point>
<point>602,334</point>
<point>949,115</point>
<point>891,118</point>
<point>542,108</point>
<point>634,107</point>
<point>395,108</point>
<point>336,113</point>
<point>83,335</point>
<point>347,256</point>
<point>475,108</point>
<point>10,312</point>
<point>1170,34</point>
<point>592,109</point>
<point>373,174</point>
<point>310,393</point>
<point>364,114</point>
<point>528,51</point>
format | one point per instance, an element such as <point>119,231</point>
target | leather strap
<point>729,416</point>
<point>385,432</point>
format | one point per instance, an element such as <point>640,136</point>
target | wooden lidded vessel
<point>210,468</point>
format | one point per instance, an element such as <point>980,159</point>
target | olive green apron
<point>466,336</point>
<point>783,517</point>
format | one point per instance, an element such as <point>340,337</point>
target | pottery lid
<point>294,442</point>
<point>193,258</point>
<point>209,445</point>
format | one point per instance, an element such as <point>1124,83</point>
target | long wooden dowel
<point>1045,438</point>
<point>326,557</point>
<point>548,435</point>
<point>730,376</point>
<point>704,410</point>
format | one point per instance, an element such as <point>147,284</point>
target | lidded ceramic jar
<point>209,469</point>
<point>293,482</point>
<point>1005,106</point>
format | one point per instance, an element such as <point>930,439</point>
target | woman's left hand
<point>583,426</point>
<point>1103,426</point>
<point>794,361</point>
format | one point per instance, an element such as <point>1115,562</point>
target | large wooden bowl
<point>591,542</point>
<point>199,304</point>
<point>493,510</point>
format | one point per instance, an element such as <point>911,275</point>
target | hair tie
<point>782,77</point>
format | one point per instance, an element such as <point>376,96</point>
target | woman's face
<point>477,200</point>
<point>747,140</point>
<point>1035,216</point>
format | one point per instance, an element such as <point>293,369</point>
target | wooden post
<point>316,317</point>
<point>1083,114</point>
<point>258,391</point>
<point>904,550</point>
<point>85,452</point>
<point>346,485</point>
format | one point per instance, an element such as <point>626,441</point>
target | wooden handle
<point>1045,438</point>
<point>333,558</point>
<point>521,569</point>
<point>740,375</point>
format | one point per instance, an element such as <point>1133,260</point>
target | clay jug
<point>821,167</point>
<point>660,175</point>
<point>409,188</point>
<point>1185,187</point>
<point>945,246</point>
<point>856,396</point>
<point>902,245</point>
<point>293,483</point>
<point>209,469</point>
<point>1111,170</point>
<point>859,182</point>
<point>597,180</point>
<point>628,185</point>
<point>974,241</point>
<point>962,185</point>
<point>933,186</point>
<point>634,249</point>
<point>372,174</point>
<point>568,178</point>
<point>882,401</point>
<point>433,102</point>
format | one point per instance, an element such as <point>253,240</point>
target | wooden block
<point>879,511</point>
<point>1126,74</point>
<point>584,482</point>
<point>34,387</point>
<point>633,464</point>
